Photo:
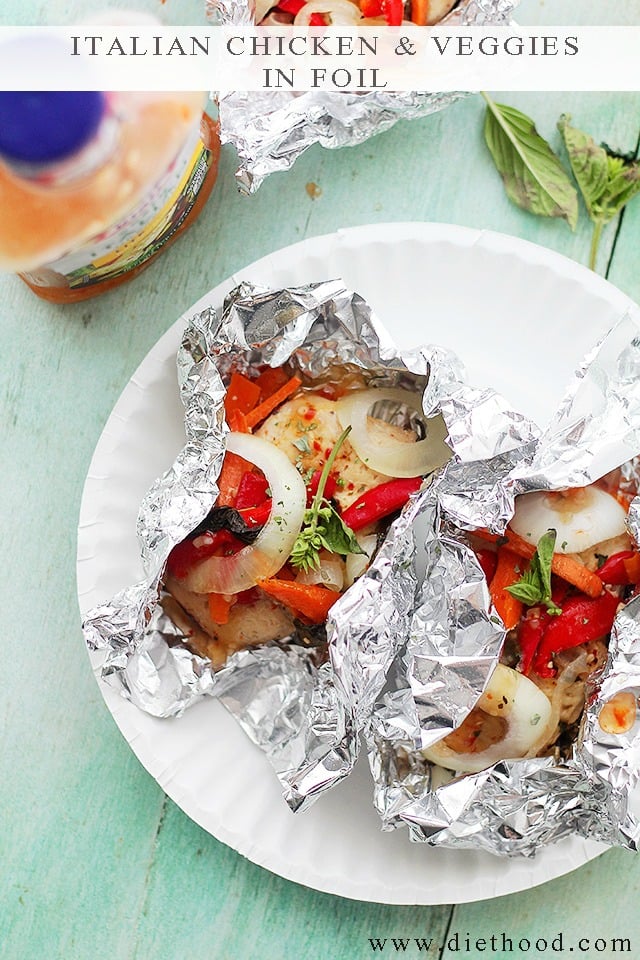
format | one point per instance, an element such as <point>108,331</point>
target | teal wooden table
<point>96,862</point>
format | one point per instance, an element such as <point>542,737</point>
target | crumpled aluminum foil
<point>271,129</point>
<point>454,638</point>
<point>289,703</point>
<point>412,643</point>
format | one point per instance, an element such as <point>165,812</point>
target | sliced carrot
<point>271,380</point>
<point>219,607</point>
<point>568,568</point>
<point>242,395</point>
<point>509,570</point>
<point>238,422</point>
<point>269,405</point>
<point>420,12</point>
<point>233,470</point>
<point>311,601</point>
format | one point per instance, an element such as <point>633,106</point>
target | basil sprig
<point>534,586</point>
<point>607,180</point>
<point>322,526</point>
<point>535,179</point>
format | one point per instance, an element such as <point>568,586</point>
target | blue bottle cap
<point>41,128</point>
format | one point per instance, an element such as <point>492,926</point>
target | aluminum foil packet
<point>271,129</point>
<point>412,643</point>
<point>454,636</point>
<point>290,700</point>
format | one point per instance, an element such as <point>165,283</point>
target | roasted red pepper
<point>318,20</point>
<point>187,554</point>
<point>252,491</point>
<point>330,486</point>
<point>371,8</point>
<point>257,516</point>
<point>393,12</point>
<point>488,560</point>
<point>582,620</point>
<point>621,569</point>
<point>293,7</point>
<point>380,502</point>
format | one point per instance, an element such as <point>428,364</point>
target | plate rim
<point>582,850</point>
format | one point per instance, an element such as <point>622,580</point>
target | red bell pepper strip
<point>291,6</point>
<point>252,491</point>
<point>318,20</point>
<point>488,560</point>
<point>530,635</point>
<point>380,502</point>
<point>242,395</point>
<point>187,554</point>
<point>371,8</point>
<point>621,569</point>
<point>257,516</point>
<point>582,620</point>
<point>330,486</point>
<point>233,470</point>
<point>393,12</point>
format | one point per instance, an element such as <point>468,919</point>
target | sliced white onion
<point>330,574</point>
<point>581,517</point>
<point>340,12</point>
<point>270,550</point>
<point>357,563</point>
<point>381,452</point>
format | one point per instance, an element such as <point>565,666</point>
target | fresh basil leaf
<point>533,176</point>
<point>607,180</point>
<point>588,163</point>
<point>528,593</point>
<point>543,559</point>
<point>338,537</point>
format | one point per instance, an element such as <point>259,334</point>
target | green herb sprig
<point>534,586</point>
<point>322,526</point>
<point>535,179</point>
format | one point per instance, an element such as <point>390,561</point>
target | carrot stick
<point>310,600</point>
<point>508,572</point>
<point>219,607</point>
<point>267,406</point>
<point>242,395</point>
<point>567,568</point>
<point>420,12</point>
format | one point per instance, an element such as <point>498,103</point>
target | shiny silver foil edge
<point>293,707</point>
<point>271,129</point>
<point>454,639</point>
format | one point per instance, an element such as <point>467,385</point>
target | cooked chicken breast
<point>307,428</point>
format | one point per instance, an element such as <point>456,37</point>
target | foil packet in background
<point>514,807</point>
<point>270,130</point>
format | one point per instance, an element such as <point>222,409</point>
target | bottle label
<point>144,231</point>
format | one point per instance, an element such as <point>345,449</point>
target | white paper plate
<point>521,317</point>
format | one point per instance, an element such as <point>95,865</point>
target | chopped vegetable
<point>535,585</point>
<point>621,569</point>
<point>252,491</point>
<point>310,601</point>
<point>508,571</point>
<point>262,411</point>
<point>393,12</point>
<point>420,12</point>
<point>488,560</point>
<point>530,634</point>
<point>582,620</point>
<point>568,568</point>
<point>393,458</point>
<point>242,395</point>
<point>267,554</point>
<point>233,470</point>
<point>195,550</point>
<point>219,607</point>
<point>272,378</point>
<point>380,502</point>
<point>238,422</point>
